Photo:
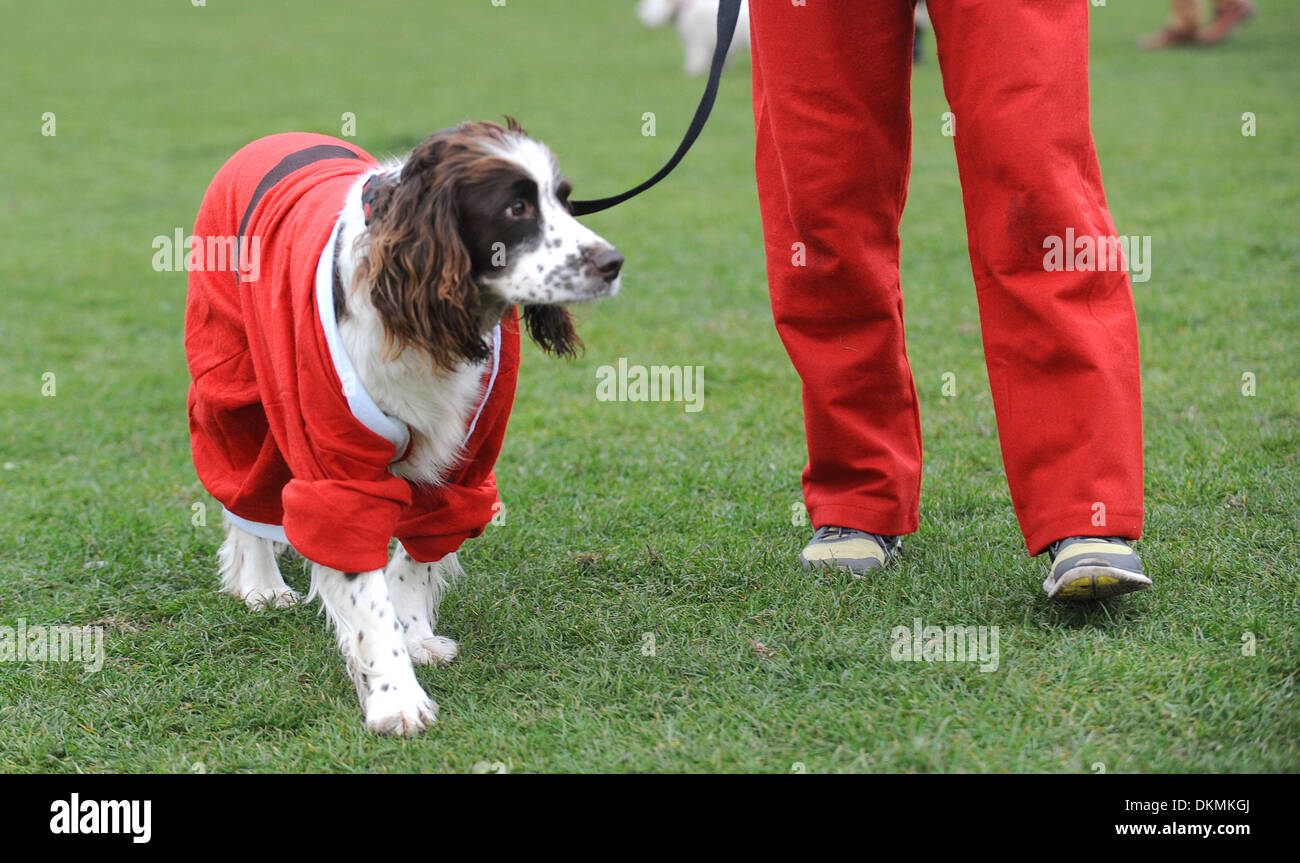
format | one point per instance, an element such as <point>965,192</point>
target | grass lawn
<point>634,524</point>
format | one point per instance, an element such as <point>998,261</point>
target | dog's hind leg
<point>374,645</point>
<point>249,571</point>
<point>416,589</point>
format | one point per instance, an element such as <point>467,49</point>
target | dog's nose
<point>608,262</point>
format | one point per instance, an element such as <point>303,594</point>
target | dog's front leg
<point>416,589</point>
<point>374,645</point>
<point>249,571</point>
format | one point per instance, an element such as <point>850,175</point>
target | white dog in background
<point>697,28</point>
<point>696,22</point>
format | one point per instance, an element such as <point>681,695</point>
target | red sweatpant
<point>832,114</point>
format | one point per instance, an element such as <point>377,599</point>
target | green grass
<point>627,519</point>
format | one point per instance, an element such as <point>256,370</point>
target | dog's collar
<point>369,192</point>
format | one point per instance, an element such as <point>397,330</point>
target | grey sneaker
<point>844,548</point>
<point>1093,567</point>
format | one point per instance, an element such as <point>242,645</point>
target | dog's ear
<point>513,125</point>
<point>417,266</point>
<point>552,328</point>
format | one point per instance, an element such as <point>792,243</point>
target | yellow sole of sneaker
<point>831,563</point>
<point>1084,583</point>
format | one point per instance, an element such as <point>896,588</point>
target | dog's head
<point>478,219</point>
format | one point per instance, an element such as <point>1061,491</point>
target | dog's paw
<point>262,599</point>
<point>399,713</point>
<point>432,650</point>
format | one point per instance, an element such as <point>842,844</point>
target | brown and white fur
<point>474,220</point>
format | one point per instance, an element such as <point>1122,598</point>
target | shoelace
<point>1055,548</point>
<point>888,543</point>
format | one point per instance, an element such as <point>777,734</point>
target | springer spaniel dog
<point>353,342</point>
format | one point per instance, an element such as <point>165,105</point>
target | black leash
<point>728,14</point>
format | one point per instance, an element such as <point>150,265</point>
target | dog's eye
<point>519,209</point>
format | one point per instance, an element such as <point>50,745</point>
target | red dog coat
<point>277,438</point>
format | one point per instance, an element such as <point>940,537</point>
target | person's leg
<point>1228,16</point>
<point>1185,14</point>
<point>1184,22</point>
<point>833,125</point>
<point>1061,347</point>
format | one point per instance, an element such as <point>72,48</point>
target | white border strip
<point>363,407</point>
<point>492,379</point>
<point>258,528</point>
